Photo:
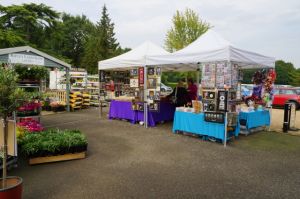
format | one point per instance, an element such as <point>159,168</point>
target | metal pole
<point>145,98</point>
<point>225,133</point>
<point>68,89</point>
<point>198,79</point>
<point>100,102</point>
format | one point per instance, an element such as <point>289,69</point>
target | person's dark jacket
<point>181,96</point>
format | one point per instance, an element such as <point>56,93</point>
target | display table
<point>194,123</point>
<point>165,113</point>
<point>123,110</point>
<point>255,119</point>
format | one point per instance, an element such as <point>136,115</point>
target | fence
<point>60,95</point>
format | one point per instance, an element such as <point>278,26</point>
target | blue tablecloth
<point>255,118</point>
<point>123,110</point>
<point>194,123</point>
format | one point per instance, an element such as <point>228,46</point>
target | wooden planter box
<point>57,158</point>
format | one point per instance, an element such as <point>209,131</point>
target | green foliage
<point>171,78</point>
<point>35,72</point>
<point>52,141</point>
<point>247,76</point>
<point>73,39</point>
<point>9,38</point>
<point>9,92</point>
<point>286,74</point>
<point>33,22</point>
<point>74,34</point>
<point>101,45</point>
<point>284,71</point>
<point>187,27</point>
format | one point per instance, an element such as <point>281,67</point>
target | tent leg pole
<point>68,89</point>
<point>225,133</point>
<point>198,80</point>
<point>145,98</point>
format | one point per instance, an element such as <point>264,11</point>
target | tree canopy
<point>74,39</point>
<point>187,27</point>
<point>102,44</point>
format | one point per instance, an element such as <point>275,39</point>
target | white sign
<point>26,59</point>
<point>134,83</point>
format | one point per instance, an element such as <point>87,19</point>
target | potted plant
<point>10,187</point>
<point>57,106</point>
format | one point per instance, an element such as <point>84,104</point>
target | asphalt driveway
<point>128,161</point>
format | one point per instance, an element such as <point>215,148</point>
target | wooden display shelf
<point>57,158</point>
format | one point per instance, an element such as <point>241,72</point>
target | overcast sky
<point>269,27</point>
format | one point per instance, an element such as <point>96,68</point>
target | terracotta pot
<point>13,188</point>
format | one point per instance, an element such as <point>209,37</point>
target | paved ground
<point>128,161</point>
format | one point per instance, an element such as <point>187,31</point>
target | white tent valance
<point>210,47</point>
<point>133,58</point>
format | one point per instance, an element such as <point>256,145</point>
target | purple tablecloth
<point>123,110</point>
<point>166,113</point>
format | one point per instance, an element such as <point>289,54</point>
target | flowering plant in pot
<point>10,187</point>
<point>30,125</point>
<point>58,106</point>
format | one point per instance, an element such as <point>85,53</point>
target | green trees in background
<point>187,27</point>
<point>102,44</point>
<point>74,39</point>
<point>287,74</point>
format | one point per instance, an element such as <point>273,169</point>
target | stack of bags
<point>76,100</point>
<point>86,98</point>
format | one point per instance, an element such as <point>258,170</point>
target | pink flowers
<point>28,109</point>
<point>30,125</point>
<point>30,106</point>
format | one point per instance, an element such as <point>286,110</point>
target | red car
<point>283,95</point>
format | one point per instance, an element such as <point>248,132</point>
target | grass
<point>270,141</point>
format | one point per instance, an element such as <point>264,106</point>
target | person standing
<point>179,95</point>
<point>192,90</point>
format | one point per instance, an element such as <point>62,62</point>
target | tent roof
<point>210,47</point>
<point>133,58</point>
<point>5,51</point>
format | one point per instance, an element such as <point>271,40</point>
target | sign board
<point>141,76</point>
<point>222,101</point>
<point>26,59</point>
<point>134,83</point>
<point>12,140</point>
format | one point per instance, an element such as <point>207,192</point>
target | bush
<point>33,73</point>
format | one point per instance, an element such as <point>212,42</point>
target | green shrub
<point>52,142</point>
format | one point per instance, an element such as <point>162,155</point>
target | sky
<point>268,27</point>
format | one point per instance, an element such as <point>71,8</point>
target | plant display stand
<point>93,87</point>
<point>57,158</point>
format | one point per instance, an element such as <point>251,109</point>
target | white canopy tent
<point>136,57</point>
<point>210,47</point>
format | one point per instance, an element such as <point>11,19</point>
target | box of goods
<point>197,105</point>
